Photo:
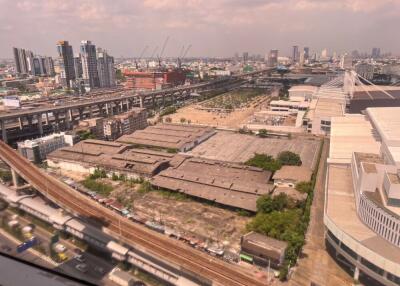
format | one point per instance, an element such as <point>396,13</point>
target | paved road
<point>317,265</point>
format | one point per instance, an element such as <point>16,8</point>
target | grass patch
<point>98,187</point>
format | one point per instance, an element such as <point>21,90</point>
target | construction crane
<point>162,52</point>
<point>152,55</point>
<point>183,55</point>
<point>140,57</point>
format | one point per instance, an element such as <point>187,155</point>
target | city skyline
<point>217,29</point>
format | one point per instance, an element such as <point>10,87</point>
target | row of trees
<point>282,218</point>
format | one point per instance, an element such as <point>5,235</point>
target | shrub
<point>289,158</point>
<point>145,187</point>
<point>98,187</point>
<point>264,161</point>
<point>263,133</point>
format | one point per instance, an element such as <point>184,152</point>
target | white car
<point>80,258</point>
<point>82,267</point>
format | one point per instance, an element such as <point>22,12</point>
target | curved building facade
<point>362,195</point>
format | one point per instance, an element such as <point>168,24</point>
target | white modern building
<point>362,194</point>
<point>36,150</point>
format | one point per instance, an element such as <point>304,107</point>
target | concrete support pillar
<point>141,99</point>
<point>163,100</point>
<point>153,100</point>
<point>21,123</point>
<point>81,110</point>
<point>47,119</point>
<point>3,131</point>
<point>67,118</point>
<point>14,178</point>
<point>30,119</point>
<point>91,111</point>
<point>101,109</point>
<point>356,275</point>
<point>122,106</point>
<point>40,123</point>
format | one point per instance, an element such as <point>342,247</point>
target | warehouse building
<point>225,183</point>
<point>117,158</point>
<point>176,137</point>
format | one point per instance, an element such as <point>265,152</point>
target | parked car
<point>82,267</point>
<point>80,258</point>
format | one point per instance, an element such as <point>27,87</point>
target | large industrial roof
<point>174,136</point>
<point>387,122</point>
<point>112,155</point>
<point>351,133</point>
<point>225,183</point>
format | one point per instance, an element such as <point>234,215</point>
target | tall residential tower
<point>89,64</point>
<point>66,61</point>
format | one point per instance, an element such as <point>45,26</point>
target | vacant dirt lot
<point>235,147</point>
<point>205,222</point>
<point>197,114</point>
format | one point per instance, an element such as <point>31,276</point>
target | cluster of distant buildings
<point>92,68</point>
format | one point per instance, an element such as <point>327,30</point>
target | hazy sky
<point>213,27</point>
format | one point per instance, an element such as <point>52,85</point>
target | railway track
<point>156,244</point>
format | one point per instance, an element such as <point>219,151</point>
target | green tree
<point>289,158</point>
<point>267,203</point>
<point>263,133</point>
<point>264,161</point>
<point>183,120</point>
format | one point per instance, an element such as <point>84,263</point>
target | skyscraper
<point>306,54</point>
<point>376,53</point>
<point>245,56</point>
<point>273,58</point>
<point>20,60</point>
<point>49,66</point>
<point>105,68</point>
<point>66,60</point>
<point>78,66</point>
<point>295,54</point>
<point>89,64</point>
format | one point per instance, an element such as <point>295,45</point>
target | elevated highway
<point>109,103</point>
<point>200,266</point>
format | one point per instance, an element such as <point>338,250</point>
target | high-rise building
<point>306,54</point>
<point>66,61</point>
<point>346,61</point>
<point>28,63</point>
<point>245,56</point>
<point>105,68</point>
<point>273,58</point>
<point>78,67</point>
<point>20,60</point>
<point>295,54</point>
<point>376,53</point>
<point>89,64</point>
<point>49,66</point>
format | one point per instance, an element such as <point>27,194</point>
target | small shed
<point>262,250</point>
<point>289,176</point>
